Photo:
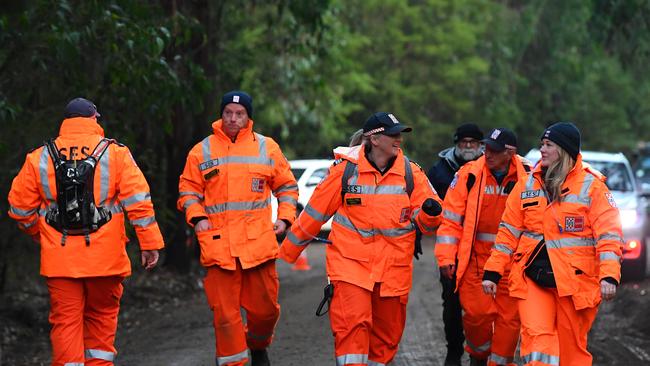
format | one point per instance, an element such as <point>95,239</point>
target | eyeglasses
<point>469,142</point>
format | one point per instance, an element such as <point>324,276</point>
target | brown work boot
<point>260,357</point>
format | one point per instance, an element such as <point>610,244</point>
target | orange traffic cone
<point>302,264</point>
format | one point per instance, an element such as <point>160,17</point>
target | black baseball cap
<point>80,107</point>
<point>501,139</point>
<point>385,123</point>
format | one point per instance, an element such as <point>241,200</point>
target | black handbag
<point>538,267</point>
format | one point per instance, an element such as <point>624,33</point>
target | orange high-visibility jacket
<point>119,185</point>
<point>458,234</point>
<point>373,230</point>
<point>231,183</point>
<point>582,234</point>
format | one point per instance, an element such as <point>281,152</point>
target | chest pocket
<point>258,178</point>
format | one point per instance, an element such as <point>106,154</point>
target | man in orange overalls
<point>85,265</point>
<point>472,211</point>
<point>225,191</point>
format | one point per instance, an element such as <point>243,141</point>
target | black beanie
<point>238,97</point>
<point>468,130</point>
<point>566,135</point>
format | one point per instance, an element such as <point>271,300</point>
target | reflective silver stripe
<point>368,233</point>
<point>261,141</point>
<point>570,242</point>
<point>343,360</point>
<point>195,194</point>
<point>500,360</point>
<point>452,216</point>
<point>609,256</point>
<point>22,213</point>
<point>295,241</point>
<point>261,160</point>
<point>415,213</point>
<point>29,224</point>
<point>446,239</point>
<point>610,236</point>
<point>541,357</point>
<point>533,235</point>
<point>355,175</point>
<point>42,169</point>
<point>513,230</point>
<point>486,237</point>
<point>503,249</point>
<point>530,181</point>
<point>189,203</point>
<point>99,354</point>
<point>136,198</point>
<point>498,190</point>
<point>583,196</point>
<point>144,222</point>
<point>73,364</point>
<point>104,177</point>
<point>385,189</point>
<point>375,363</point>
<point>238,357</point>
<point>286,188</point>
<point>291,200</point>
<point>482,348</point>
<point>238,206</point>
<point>115,209</point>
<point>205,147</point>
<point>315,214</point>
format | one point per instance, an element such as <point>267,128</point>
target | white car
<point>631,205</point>
<point>308,173</point>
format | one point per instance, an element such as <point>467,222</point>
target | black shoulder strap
<point>101,148</point>
<point>408,176</point>
<point>471,179</point>
<point>526,167</point>
<point>53,150</point>
<point>347,174</point>
<point>508,188</point>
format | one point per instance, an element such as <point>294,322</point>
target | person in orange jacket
<point>369,261</point>
<point>472,211</point>
<point>562,231</point>
<point>225,191</point>
<point>84,265</point>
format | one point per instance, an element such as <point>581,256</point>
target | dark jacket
<point>442,173</point>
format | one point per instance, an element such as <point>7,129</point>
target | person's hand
<point>202,225</point>
<point>607,290</point>
<point>279,227</point>
<point>36,238</point>
<point>489,288</point>
<point>448,271</point>
<point>431,207</point>
<point>149,258</point>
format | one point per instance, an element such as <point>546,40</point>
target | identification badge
<point>211,174</point>
<point>353,201</point>
<point>352,188</point>
<point>529,194</point>
<point>610,199</point>
<point>574,224</point>
<point>257,185</point>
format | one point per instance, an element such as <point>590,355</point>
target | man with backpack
<point>377,197</point>
<point>472,210</point>
<point>71,196</point>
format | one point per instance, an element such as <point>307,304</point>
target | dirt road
<point>165,321</point>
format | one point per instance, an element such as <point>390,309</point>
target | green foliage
<point>316,69</point>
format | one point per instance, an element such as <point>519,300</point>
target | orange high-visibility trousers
<point>83,314</point>
<point>491,324</point>
<point>553,332</point>
<point>367,328</point>
<point>254,289</point>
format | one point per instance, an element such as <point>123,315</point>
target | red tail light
<point>631,249</point>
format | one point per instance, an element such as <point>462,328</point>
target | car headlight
<point>628,217</point>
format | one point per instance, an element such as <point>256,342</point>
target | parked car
<point>308,173</point>
<point>631,205</point>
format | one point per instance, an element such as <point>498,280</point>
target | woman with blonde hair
<point>561,230</point>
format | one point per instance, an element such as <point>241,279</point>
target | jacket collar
<point>244,133</point>
<point>81,126</point>
<point>397,168</point>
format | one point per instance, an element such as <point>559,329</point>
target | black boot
<point>476,362</point>
<point>260,357</point>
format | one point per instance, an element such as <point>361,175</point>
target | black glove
<point>417,250</point>
<point>431,207</point>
